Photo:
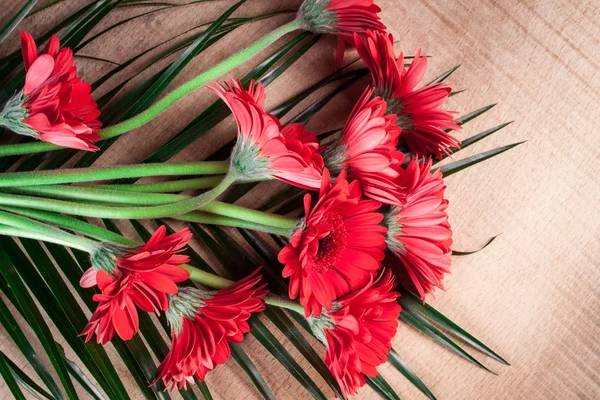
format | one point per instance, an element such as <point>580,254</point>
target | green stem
<point>99,211</point>
<point>216,282</point>
<point>166,187</point>
<point>72,224</point>
<point>119,197</point>
<point>206,278</point>
<point>278,301</point>
<point>52,177</point>
<point>161,105</point>
<point>45,232</point>
<point>247,214</point>
<point>200,217</point>
<point>16,232</point>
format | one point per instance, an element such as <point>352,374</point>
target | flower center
<point>332,246</point>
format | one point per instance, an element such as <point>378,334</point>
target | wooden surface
<point>532,295</point>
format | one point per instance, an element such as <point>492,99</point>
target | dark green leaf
<point>379,385</point>
<point>37,323</point>
<point>266,338</point>
<point>444,76</point>
<point>16,19</point>
<point>9,379</point>
<point>56,299</point>
<point>409,300</point>
<point>308,113</point>
<point>401,365</point>
<point>430,330</point>
<point>11,326</point>
<point>457,166</point>
<point>238,354</point>
<point>472,115</point>
<point>474,139</point>
<point>217,111</point>
<point>287,327</point>
<point>466,253</point>
<point>174,69</point>
<point>82,379</point>
<point>26,382</point>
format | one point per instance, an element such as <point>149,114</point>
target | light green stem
<point>98,211</point>
<point>166,187</point>
<point>16,232</point>
<point>118,197</point>
<point>277,301</point>
<point>53,177</point>
<point>72,224</point>
<point>206,278</point>
<point>200,217</point>
<point>44,232</point>
<point>161,105</point>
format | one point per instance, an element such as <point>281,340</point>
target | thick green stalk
<point>277,301</point>
<point>167,187</point>
<point>72,224</point>
<point>206,278</point>
<point>250,215</point>
<point>53,177</point>
<point>99,211</point>
<point>161,105</point>
<point>16,232</point>
<point>200,217</point>
<point>253,217</point>
<point>44,232</point>
<point>172,186</point>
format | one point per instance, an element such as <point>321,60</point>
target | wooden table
<point>532,295</point>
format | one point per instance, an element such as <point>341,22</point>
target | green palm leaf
<point>25,381</point>
<point>16,19</point>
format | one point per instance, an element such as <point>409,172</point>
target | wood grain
<point>532,295</point>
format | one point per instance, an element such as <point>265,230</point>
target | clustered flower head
<point>55,105</point>
<point>367,149</point>
<point>418,230</point>
<point>358,332</point>
<point>203,324</point>
<point>339,247</point>
<point>342,18</point>
<point>264,149</point>
<point>140,277</point>
<point>425,126</point>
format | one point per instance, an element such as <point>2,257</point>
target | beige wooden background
<point>533,294</point>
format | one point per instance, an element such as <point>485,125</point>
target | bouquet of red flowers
<point>350,248</point>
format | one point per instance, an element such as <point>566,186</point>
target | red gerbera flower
<point>422,120</point>
<point>142,278</point>
<point>358,332</point>
<point>262,151</point>
<point>55,105</point>
<point>338,249</point>
<point>418,230</point>
<point>202,326</point>
<point>367,148</point>
<point>342,18</point>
